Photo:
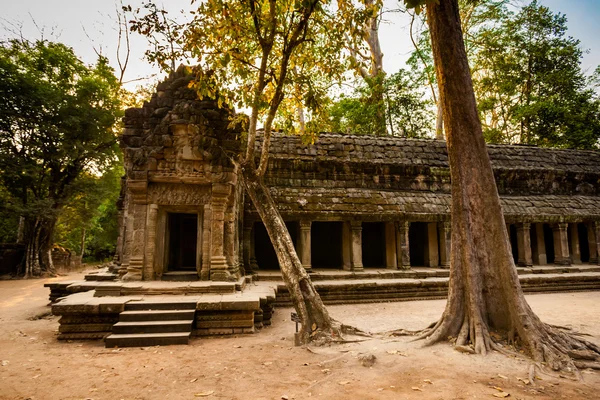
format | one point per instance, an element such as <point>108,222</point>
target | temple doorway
<point>183,241</point>
<point>373,244</point>
<point>549,241</point>
<point>326,244</point>
<point>263,248</point>
<point>418,242</point>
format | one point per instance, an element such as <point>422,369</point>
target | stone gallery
<point>350,202</point>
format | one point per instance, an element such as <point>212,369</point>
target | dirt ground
<point>266,365</point>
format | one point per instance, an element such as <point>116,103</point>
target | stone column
<point>151,226</point>
<point>561,244</point>
<point>246,244</point>
<point>540,257</point>
<point>138,190</point>
<point>597,236</point>
<point>574,248</point>
<point>402,244</point>
<point>304,244</point>
<point>592,240</point>
<point>524,245</point>
<point>346,247</point>
<point>356,228</point>
<point>229,246</point>
<point>431,251</point>
<point>219,270</point>
<point>206,242</point>
<point>391,258</point>
<point>445,239</point>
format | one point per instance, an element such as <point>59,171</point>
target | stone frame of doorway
<point>161,254</point>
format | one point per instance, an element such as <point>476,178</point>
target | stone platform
<point>375,285</point>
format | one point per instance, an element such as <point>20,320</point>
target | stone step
<point>152,327</point>
<point>160,305</point>
<point>100,277</point>
<point>180,276</point>
<point>147,339</point>
<point>156,315</point>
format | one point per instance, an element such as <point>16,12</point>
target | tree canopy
<point>57,120</point>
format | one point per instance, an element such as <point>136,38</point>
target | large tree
<point>273,57</point>
<point>57,119</point>
<point>484,294</point>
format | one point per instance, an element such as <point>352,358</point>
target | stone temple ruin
<point>356,207</point>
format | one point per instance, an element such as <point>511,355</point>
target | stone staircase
<point>147,323</point>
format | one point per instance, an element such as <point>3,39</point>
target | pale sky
<point>64,20</point>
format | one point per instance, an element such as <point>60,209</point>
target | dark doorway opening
<point>514,242</point>
<point>183,241</point>
<point>549,241</point>
<point>266,257</point>
<point>584,243</point>
<point>534,244</point>
<point>418,242</point>
<point>326,244</point>
<point>373,244</point>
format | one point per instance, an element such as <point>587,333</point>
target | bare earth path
<point>267,366</point>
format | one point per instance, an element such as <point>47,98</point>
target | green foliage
<point>57,120</point>
<point>92,213</point>
<point>407,110</point>
<point>529,82</point>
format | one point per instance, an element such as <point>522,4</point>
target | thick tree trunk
<point>316,322</point>
<point>38,250</point>
<point>484,290</point>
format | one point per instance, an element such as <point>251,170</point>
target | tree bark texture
<point>38,234</point>
<point>316,322</point>
<point>484,291</point>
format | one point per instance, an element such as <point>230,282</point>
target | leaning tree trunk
<point>484,291</point>
<point>316,322</point>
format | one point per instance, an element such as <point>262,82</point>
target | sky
<point>86,25</point>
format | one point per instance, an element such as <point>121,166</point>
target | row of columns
<point>397,245</point>
<point>565,240</point>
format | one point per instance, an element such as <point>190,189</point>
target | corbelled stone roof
<point>428,152</point>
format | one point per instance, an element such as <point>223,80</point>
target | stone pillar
<point>524,245</point>
<point>431,251</point>
<point>391,258</point>
<point>445,239</point>
<point>138,190</point>
<point>593,241</point>
<point>402,244</point>
<point>219,270</point>
<point>304,244</point>
<point>597,236</point>
<point>561,244</point>
<point>246,244</point>
<point>540,257</point>
<point>356,228</point>
<point>151,226</point>
<point>206,242</point>
<point>229,246</point>
<point>346,247</point>
<point>574,249</point>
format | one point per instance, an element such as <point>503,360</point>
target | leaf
<point>194,380</point>
<point>502,376</point>
<point>343,382</point>
<point>427,381</point>
<point>417,388</point>
<point>501,395</point>
<point>204,394</point>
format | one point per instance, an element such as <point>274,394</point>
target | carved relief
<point>178,194</point>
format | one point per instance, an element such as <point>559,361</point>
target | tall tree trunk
<point>484,291</point>
<point>82,244</point>
<point>316,321</point>
<point>38,249</point>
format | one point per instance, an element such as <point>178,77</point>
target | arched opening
<point>514,242</point>
<point>373,244</point>
<point>326,244</point>
<point>418,241</point>
<point>549,241</point>
<point>584,243</point>
<point>266,258</point>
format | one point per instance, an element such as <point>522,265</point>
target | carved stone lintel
<point>178,194</point>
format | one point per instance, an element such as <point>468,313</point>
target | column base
<point>444,265</point>
<point>562,261</point>
<point>594,260</point>
<point>358,268</point>
<point>524,264</point>
<point>134,270</point>
<point>308,268</point>
<point>219,270</point>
